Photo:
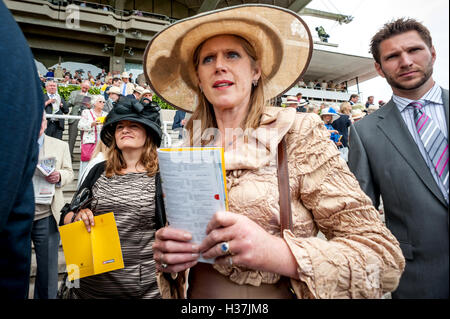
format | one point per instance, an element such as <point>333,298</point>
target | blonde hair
<point>115,161</point>
<point>346,108</point>
<point>205,112</point>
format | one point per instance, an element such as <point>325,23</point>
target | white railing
<point>167,141</point>
<point>320,94</point>
<point>60,116</point>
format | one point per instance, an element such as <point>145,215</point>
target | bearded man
<point>400,152</point>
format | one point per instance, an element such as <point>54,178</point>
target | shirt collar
<point>434,95</point>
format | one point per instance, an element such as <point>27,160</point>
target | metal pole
<point>357,85</point>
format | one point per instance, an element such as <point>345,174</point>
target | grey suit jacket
<point>76,104</point>
<point>387,162</point>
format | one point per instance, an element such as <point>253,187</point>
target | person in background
<point>313,108</point>
<point>78,101</point>
<point>302,106</point>
<point>217,73</point>
<point>126,87</point>
<point>369,101</point>
<point>107,83</point>
<point>54,104</point>
<point>114,82</point>
<point>392,158</point>
<point>114,94</point>
<point>357,114</point>
<point>302,103</point>
<point>44,233</point>
<point>50,74</point>
<point>98,155</point>
<point>354,98</point>
<point>90,126</point>
<point>291,101</point>
<point>21,117</point>
<point>179,122</point>
<point>342,125</point>
<point>128,184</point>
<point>147,94</point>
<point>137,92</point>
<point>328,116</point>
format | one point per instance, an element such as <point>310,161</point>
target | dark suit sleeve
<point>20,118</point>
<point>359,165</point>
<point>65,106</point>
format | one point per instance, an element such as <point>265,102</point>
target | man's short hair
<point>49,82</point>
<point>396,27</point>
<point>353,96</point>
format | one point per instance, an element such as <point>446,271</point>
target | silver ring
<point>164,265</point>
<point>225,247</point>
<point>230,260</point>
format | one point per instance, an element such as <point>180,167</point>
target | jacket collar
<point>260,146</point>
<point>394,128</point>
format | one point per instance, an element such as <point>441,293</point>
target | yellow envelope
<point>91,253</point>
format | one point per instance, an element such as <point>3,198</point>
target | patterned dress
<point>132,199</point>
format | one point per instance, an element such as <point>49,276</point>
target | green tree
<point>163,105</point>
<point>65,91</point>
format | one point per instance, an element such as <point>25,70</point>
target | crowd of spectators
<point>322,85</point>
<point>102,80</point>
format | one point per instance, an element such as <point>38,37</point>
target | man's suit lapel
<point>392,125</point>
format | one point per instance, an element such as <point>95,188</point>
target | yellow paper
<point>222,164</point>
<point>101,119</point>
<point>195,177</point>
<point>91,253</point>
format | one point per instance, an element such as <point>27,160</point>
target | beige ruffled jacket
<point>360,259</point>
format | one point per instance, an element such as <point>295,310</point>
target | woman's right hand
<point>173,251</point>
<point>84,215</point>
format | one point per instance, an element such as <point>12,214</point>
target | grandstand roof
<point>340,67</point>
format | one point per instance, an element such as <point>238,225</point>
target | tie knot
<point>417,104</point>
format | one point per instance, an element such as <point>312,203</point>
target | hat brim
<point>333,115</point>
<point>281,39</point>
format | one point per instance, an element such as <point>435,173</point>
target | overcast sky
<point>369,17</point>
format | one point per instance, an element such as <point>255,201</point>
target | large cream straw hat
<point>281,39</point>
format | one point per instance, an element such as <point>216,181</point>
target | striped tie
<point>433,140</point>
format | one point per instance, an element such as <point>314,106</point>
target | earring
<point>200,87</point>
<point>255,83</point>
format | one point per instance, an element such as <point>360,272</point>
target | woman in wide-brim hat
<point>224,66</point>
<point>127,183</point>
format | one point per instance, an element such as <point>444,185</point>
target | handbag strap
<point>283,187</point>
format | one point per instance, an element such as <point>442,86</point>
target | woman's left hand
<point>249,244</point>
